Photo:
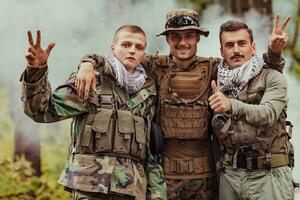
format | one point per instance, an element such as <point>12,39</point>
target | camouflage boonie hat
<point>183,19</point>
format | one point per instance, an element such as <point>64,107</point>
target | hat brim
<point>202,31</point>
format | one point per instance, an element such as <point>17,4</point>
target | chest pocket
<point>121,133</point>
<point>103,130</point>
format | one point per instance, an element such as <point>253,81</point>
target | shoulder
<point>203,59</point>
<point>96,59</point>
<point>272,76</point>
<point>149,85</point>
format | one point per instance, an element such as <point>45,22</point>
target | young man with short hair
<point>250,104</point>
<point>183,85</point>
<point>109,155</point>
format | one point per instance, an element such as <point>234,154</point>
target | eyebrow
<point>236,41</point>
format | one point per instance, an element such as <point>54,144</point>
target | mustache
<point>183,47</point>
<point>236,56</point>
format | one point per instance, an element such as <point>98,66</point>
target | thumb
<point>50,47</point>
<point>214,87</point>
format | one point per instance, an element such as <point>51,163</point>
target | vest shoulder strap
<point>147,90</point>
<point>203,59</point>
<point>161,61</point>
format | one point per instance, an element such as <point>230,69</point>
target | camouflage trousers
<point>196,189</point>
<point>80,195</point>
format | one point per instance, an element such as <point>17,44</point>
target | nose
<point>132,50</point>
<point>236,48</point>
<point>182,41</point>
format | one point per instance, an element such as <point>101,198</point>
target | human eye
<point>190,35</point>
<point>242,43</point>
<point>140,47</point>
<point>229,45</point>
<point>175,37</point>
<point>125,44</point>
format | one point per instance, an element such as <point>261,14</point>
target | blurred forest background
<point>32,155</point>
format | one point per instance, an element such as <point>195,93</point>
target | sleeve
<point>148,65</point>
<point>215,63</point>
<point>274,60</point>
<point>156,182</point>
<point>274,100</point>
<point>95,59</point>
<point>43,105</point>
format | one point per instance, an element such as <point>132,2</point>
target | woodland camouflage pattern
<point>91,173</point>
<point>206,186</point>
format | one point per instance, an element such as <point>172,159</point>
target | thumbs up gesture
<point>218,102</point>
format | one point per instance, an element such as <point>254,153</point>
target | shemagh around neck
<point>130,82</point>
<point>231,81</point>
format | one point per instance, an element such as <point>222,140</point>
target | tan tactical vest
<point>261,146</point>
<point>183,113</point>
<point>112,131</point>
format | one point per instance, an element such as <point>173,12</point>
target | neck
<point>130,70</point>
<point>183,64</point>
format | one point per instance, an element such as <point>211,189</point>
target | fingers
<point>278,42</point>
<point>31,50</point>
<point>217,106</point>
<point>50,47</point>
<point>81,88</point>
<point>94,84</point>
<point>276,22</point>
<point>285,22</point>
<point>214,100</point>
<point>87,85</point>
<point>76,83</point>
<point>38,38</point>
<point>29,57</point>
<point>30,40</point>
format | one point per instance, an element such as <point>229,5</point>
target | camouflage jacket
<point>152,64</point>
<point>92,173</point>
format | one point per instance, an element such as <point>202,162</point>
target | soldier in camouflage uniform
<point>250,121</point>
<point>183,85</point>
<point>109,155</point>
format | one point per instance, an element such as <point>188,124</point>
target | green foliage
<point>18,182</point>
<point>6,127</point>
<point>295,67</point>
<point>16,179</point>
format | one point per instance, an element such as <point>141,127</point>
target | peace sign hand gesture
<point>36,56</point>
<point>279,38</point>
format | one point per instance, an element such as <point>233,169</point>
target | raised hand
<point>218,102</point>
<point>85,79</point>
<point>36,56</point>
<point>279,38</point>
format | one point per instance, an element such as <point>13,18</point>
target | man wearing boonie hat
<point>183,86</point>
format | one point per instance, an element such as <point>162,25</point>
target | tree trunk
<point>239,7</point>
<point>297,27</point>
<point>27,143</point>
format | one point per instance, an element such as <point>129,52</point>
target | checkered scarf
<point>232,81</point>
<point>130,82</point>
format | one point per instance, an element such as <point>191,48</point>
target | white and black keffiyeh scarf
<point>231,81</point>
<point>130,82</point>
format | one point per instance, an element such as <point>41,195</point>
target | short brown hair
<point>234,25</point>
<point>129,28</point>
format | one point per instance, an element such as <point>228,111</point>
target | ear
<point>167,39</point>
<point>112,48</point>
<point>253,48</point>
<point>221,51</point>
<point>198,37</point>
